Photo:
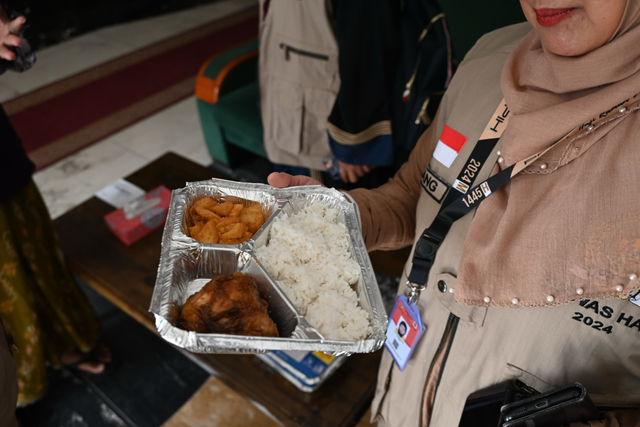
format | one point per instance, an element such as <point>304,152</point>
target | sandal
<point>92,357</point>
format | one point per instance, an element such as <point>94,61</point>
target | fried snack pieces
<point>226,223</point>
<point>228,304</point>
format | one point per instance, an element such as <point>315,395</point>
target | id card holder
<point>404,330</point>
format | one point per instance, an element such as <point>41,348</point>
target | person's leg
<point>8,383</point>
<point>20,317</point>
<point>71,328</point>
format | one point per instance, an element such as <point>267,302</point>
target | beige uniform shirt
<point>594,342</point>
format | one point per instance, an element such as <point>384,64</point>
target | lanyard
<point>454,208</point>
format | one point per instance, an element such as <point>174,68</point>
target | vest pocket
<point>512,372</point>
<point>444,283</point>
<point>317,107</point>
<point>285,129</point>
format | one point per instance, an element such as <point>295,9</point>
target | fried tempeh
<point>208,234</point>
<point>252,217</point>
<point>224,223</point>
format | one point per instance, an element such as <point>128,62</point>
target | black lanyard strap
<point>433,236</point>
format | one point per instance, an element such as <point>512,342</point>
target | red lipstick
<point>550,17</point>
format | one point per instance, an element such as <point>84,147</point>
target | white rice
<point>308,255</point>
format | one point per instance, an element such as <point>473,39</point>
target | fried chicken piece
<point>228,304</point>
<point>252,217</point>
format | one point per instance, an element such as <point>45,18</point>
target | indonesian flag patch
<point>449,145</point>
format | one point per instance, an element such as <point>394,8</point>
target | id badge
<point>404,331</point>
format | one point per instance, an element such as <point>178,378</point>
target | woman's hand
<point>352,173</point>
<point>8,37</point>
<point>284,180</point>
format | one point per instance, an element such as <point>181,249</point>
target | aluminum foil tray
<point>186,265</point>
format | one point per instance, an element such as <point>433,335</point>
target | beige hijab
<point>539,85</point>
<point>569,230</point>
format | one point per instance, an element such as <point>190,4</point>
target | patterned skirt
<point>44,311</point>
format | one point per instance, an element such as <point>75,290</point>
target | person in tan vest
<point>538,280</point>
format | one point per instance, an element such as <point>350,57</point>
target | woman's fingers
<point>351,173</point>
<point>6,53</point>
<point>16,25</point>
<point>12,40</point>
<point>8,37</point>
<point>284,180</point>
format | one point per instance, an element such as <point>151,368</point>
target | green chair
<point>227,96</point>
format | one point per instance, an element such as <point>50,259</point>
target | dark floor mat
<point>149,382</point>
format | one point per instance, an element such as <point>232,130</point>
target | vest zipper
<point>452,325</point>
<point>295,50</point>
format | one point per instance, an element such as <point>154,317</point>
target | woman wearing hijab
<point>536,279</point>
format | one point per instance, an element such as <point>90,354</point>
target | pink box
<point>141,216</point>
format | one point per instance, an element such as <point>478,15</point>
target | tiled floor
<point>75,179</point>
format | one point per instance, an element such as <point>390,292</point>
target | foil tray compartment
<point>221,192</point>
<point>186,265</point>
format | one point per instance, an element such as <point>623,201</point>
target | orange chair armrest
<point>208,89</point>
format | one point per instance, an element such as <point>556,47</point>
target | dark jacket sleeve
<point>367,33</point>
<point>16,168</point>
<point>388,213</point>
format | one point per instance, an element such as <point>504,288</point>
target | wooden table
<point>126,276</point>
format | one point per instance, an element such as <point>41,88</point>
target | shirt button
<point>442,286</point>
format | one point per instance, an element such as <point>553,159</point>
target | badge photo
<point>403,331</point>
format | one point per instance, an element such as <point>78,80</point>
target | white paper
<point>120,193</point>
